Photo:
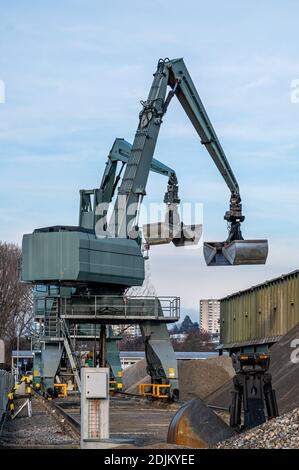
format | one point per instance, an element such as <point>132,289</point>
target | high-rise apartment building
<point>209,315</point>
<point>130,331</point>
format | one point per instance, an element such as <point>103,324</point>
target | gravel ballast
<point>39,431</point>
<point>278,433</point>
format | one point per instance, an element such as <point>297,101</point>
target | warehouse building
<point>256,318</point>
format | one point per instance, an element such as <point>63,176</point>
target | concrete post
<point>94,407</point>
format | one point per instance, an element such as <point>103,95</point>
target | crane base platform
<point>239,252</point>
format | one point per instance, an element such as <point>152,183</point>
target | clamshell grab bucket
<point>188,235</point>
<point>157,233</point>
<point>180,235</point>
<point>238,252</point>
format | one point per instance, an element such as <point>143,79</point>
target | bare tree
<point>131,344</point>
<point>199,340</point>
<point>16,304</point>
<point>147,289</point>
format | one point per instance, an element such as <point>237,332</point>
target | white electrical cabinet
<point>94,407</point>
<point>96,384</point>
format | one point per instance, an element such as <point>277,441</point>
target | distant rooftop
<point>178,355</point>
<point>138,354</point>
<point>22,353</point>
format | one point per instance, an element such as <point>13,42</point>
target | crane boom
<point>120,152</point>
<point>173,73</point>
<point>194,108</point>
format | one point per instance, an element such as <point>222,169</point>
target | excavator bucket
<point>188,235</point>
<point>195,425</point>
<point>238,252</point>
<point>157,233</point>
<point>180,235</point>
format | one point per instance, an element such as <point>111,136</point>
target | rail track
<point>56,423</point>
<point>149,425</point>
<point>69,410</point>
<point>47,428</point>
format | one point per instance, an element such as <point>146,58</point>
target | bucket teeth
<point>238,252</point>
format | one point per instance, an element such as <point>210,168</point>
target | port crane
<point>92,269</point>
<point>90,200</point>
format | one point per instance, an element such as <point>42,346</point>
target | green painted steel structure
<point>261,314</point>
<point>67,257</point>
<point>104,257</point>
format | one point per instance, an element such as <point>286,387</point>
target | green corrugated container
<point>261,314</point>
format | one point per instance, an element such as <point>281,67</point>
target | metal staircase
<point>51,318</point>
<point>55,329</point>
<point>70,347</point>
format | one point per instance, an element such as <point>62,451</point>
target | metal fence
<point>126,308</point>
<point>6,382</point>
<point>109,307</point>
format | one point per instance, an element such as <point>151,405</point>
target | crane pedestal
<point>64,319</point>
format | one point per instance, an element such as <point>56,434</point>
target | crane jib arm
<point>174,73</point>
<point>192,104</point>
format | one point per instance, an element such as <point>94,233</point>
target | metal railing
<point>125,308</point>
<point>108,307</point>
<point>6,383</point>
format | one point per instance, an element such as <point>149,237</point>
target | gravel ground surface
<point>40,431</point>
<point>279,433</point>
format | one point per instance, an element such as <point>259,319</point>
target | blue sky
<point>75,72</point>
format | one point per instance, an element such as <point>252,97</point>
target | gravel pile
<point>279,433</point>
<point>133,374</point>
<point>200,378</point>
<point>197,378</point>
